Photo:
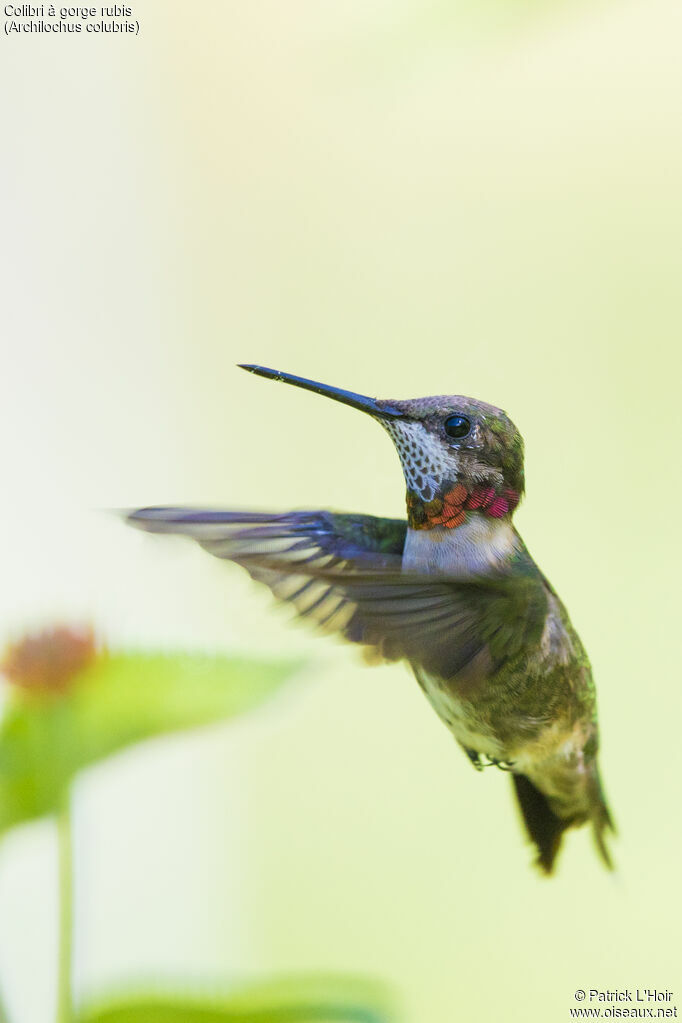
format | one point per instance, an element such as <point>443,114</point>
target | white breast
<point>480,545</point>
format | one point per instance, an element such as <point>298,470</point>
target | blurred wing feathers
<point>343,572</point>
<point>301,536</point>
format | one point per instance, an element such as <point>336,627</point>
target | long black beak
<point>381,409</point>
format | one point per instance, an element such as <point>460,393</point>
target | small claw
<point>475,758</point>
<point>481,760</point>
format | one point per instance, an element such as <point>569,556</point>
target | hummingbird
<point>452,590</point>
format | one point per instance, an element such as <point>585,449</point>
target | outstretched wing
<point>344,573</point>
<point>293,538</point>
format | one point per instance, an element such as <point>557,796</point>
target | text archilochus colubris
<point>452,590</point>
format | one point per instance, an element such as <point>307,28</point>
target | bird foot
<point>480,760</point>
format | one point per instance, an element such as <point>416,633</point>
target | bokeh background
<point>401,198</point>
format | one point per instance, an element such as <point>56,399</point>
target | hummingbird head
<point>459,455</point>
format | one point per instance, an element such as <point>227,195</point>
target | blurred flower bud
<point>50,660</point>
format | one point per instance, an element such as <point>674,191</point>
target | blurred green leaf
<point>118,700</point>
<point>297,1000</point>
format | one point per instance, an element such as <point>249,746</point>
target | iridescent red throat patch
<point>450,509</point>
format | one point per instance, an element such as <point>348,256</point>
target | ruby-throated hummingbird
<point>452,590</point>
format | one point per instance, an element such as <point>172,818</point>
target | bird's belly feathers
<point>530,706</point>
<point>467,726</point>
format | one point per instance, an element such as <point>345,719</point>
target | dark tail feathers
<point>546,829</point>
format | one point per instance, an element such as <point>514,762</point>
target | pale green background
<point>401,198</point>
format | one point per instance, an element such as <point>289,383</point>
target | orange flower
<point>49,661</point>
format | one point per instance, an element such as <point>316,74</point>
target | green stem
<point>65,850</point>
<point>4,1018</point>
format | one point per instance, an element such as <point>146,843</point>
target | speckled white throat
<point>425,462</point>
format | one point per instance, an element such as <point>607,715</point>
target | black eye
<point>457,426</point>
